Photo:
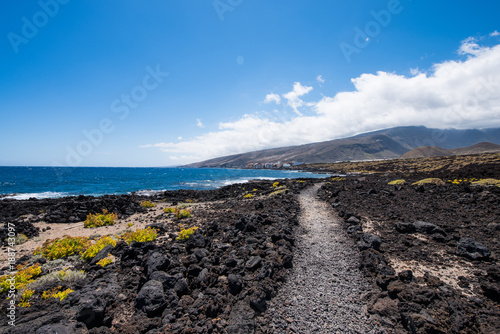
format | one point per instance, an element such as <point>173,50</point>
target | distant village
<point>273,165</point>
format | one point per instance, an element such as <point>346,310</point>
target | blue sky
<point>85,83</point>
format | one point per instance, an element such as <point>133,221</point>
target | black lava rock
<point>91,313</point>
<point>471,249</point>
<point>151,298</point>
<point>157,262</point>
<point>429,228</point>
<point>235,282</point>
<point>254,262</point>
<point>369,241</point>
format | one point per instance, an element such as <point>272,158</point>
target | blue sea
<point>52,182</point>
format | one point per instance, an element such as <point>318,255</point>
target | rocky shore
<point>387,258</point>
<point>216,281</point>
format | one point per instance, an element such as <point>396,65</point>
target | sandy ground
<point>139,221</point>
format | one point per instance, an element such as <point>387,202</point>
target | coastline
<point>23,183</point>
<point>242,253</point>
<point>223,248</point>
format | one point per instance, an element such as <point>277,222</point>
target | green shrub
<point>397,182</point>
<point>487,182</point>
<point>279,190</point>
<point>143,235</point>
<point>148,204</point>
<point>55,278</point>
<point>429,181</point>
<point>62,247</point>
<point>100,219</point>
<point>179,213</point>
<point>21,239</point>
<point>186,233</point>
<point>54,264</point>
<point>102,242</point>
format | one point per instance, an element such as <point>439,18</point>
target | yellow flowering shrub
<point>169,210</point>
<point>20,279</point>
<point>62,247</point>
<point>248,196</point>
<point>148,204</point>
<point>95,248</point>
<point>181,214</point>
<point>100,219</point>
<point>104,262</point>
<point>25,297</point>
<point>55,293</point>
<point>143,235</point>
<point>397,182</point>
<point>186,233</point>
<point>275,184</point>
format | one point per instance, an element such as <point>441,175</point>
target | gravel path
<point>323,293</point>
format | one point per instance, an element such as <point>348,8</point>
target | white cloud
<point>415,71</point>
<point>199,123</point>
<point>293,97</point>
<point>320,79</point>
<point>460,94</point>
<point>495,33</point>
<point>470,46</point>
<point>272,98</point>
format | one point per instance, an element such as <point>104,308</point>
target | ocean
<point>52,182</point>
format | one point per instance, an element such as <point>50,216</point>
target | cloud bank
<point>456,93</point>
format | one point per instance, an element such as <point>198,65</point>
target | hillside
<point>383,144</point>
<point>432,151</point>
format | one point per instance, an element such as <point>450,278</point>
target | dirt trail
<point>323,293</point>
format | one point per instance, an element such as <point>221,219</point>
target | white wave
<point>147,192</point>
<point>229,182</point>
<point>46,194</point>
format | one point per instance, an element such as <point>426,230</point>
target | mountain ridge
<point>433,151</point>
<point>380,144</point>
